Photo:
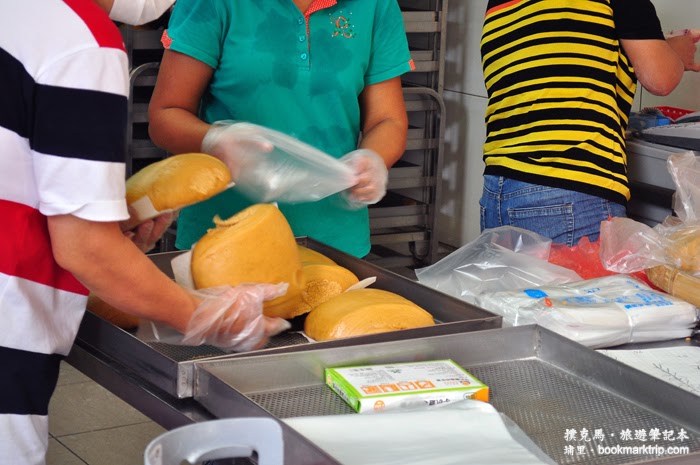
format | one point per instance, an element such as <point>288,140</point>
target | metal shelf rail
<point>403,224</point>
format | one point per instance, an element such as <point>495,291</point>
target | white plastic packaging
<point>597,313</point>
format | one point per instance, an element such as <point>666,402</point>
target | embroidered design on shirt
<point>165,39</point>
<point>342,25</point>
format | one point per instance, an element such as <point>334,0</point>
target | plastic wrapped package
<point>464,432</point>
<point>597,313</point>
<point>269,166</point>
<point>500,259</point>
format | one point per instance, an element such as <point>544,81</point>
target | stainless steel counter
<point>542,381</point>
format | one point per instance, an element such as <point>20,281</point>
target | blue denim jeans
<point>561,215</point>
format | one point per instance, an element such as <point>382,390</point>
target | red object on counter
<point>584,259</point>
<point>673,112</point>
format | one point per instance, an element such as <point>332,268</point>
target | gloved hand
<point>231,317</point>
<point>371,176</point>
<point>148,233</point>
<point>223,141</point>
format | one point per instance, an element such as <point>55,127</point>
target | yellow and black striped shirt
<point>560,89</point>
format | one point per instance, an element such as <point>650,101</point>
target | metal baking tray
<point>547,384</point>
<point>170,367</point>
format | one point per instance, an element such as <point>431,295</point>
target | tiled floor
<point>89,425</point>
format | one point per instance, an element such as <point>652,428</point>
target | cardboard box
<point>374,388</point>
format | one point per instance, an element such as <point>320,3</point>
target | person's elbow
<point>156,130</point>
<point>662,79</point>
<point>663,86</point>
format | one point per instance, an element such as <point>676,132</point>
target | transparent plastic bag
<point>269,166</point>
<point>628,246</point>
<point>500,259</point>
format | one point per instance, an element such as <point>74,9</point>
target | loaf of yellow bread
<point>364,311</point>
<point>255,245</point>
<point>118,318</point>
<point>307,255</point>
<point>178,181</point>
<point>323,282</point>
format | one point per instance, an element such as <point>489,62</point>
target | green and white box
<point>374,388</point>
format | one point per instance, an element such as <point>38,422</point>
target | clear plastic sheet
<point>500,259</point>
<point>465,432</point>
<point>269,166</point>
<point>628,246</point>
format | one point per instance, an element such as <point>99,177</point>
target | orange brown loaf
<point>254,246</point>
<point>307,255</point>
<point>323,282</point>
<point>364,311</point>
<point>178,181</point>
<point>118,318</point>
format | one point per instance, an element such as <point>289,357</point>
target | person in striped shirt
<point>561,78</point>
<point>63,104</point>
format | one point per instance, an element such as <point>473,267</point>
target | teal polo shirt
<point>298,73</point>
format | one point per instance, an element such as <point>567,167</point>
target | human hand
<point>231,317</point>
<point>685,46</point>
<point>371,176</point>
<point>147,234</point>
<point>224,141</point>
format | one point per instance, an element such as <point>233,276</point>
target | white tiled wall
<point>465,99</point>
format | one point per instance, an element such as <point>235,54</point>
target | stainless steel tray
<point>170,367</point>
<point>547,384</point>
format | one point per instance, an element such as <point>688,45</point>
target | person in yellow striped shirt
<point>561,78</point>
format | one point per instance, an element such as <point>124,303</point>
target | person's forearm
<point>657,66</point>
<point>176,130</point>
<point>388,139</point>
<point>115,270</point>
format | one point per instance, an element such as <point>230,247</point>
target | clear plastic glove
<point>227,141</point>
<point>147,234</point>
<point>231,318</point>
<point>371,177</point>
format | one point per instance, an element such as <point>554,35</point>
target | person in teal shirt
<point>326,72</point>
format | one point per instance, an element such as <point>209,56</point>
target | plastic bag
<point>270,166</point>
<point>583,258</point>
<point>501,258</point>
<point>597,313</point>
<point>629,246</point>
